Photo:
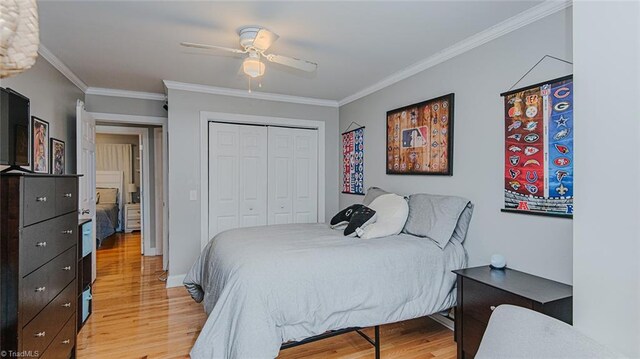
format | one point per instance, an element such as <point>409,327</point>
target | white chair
<point>516,332</point>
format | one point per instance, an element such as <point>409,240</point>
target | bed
<point>109,203</point>
<point>265,286</point>
<point>106,220</point>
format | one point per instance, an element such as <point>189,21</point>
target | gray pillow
<point>460,233</point>
<point>107,195</point>
<point>438,217</point>
<point>373,193</point>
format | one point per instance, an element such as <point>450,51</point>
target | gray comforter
<point>263,286</point>
<point>106,220</point>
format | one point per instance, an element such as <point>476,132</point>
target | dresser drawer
<point>41,286</point>
<point>66,195</point>
<point>133,213</point>
<point>43,241</point>
<point>46,325</point>
<point>63,343</point>
<point>479,300</point>
<point>39,199</point>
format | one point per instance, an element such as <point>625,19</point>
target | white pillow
<point>392,211</point>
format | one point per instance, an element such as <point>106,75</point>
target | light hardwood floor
<point>134,316</point>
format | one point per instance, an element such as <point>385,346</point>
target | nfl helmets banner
<point>538,162</point>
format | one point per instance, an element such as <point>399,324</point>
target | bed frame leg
<point>377,340</point>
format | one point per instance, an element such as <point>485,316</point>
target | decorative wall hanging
<point>57,156</point>
<point>40,143</point>
<point>353,160</point>
<point>538,171</point>
<point>19,38</point>
<point>420,138</point>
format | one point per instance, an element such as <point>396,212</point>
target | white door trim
<point>159,191</point>
<point>207,116</point>
<point>143,135</point>
<point>154,121</point>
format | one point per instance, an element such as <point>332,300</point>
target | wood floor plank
<point>135,316</point>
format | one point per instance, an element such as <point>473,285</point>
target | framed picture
<point>40,145</point>
<point>57,156</point>
<point>420,138</point>
<point>538,147</point>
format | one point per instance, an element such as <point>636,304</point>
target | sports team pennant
<point>538,172</point>
<point>353,161</point>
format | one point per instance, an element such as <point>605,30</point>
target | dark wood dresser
<point>482,289</point>
<point>38,245</point>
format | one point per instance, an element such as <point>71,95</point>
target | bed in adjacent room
<point>265,286</point>
<point>109,203</point>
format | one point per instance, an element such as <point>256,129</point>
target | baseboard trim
<point>175,280</point>
<point>443,320</point>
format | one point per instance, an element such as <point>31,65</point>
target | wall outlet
<point>193,195</point>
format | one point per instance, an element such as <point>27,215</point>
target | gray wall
<point>184,161</point>
<point>539,245</point>
<point>53,99</point>
<point>124,106</point>
<point>606,242</point>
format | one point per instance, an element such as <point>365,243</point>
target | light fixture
<point>252,66</point>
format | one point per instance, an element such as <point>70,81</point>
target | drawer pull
<point>40,334</point>
<point>41,289</point>
<point>68,195</point>
<point>493,307</point>
<point>41,244</point>
<point>41,199</point>
<point>66,341</point>
<point>67,231</point>
<point>67,305</point>
<point>67,268</point>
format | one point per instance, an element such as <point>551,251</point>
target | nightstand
<point>132,217</point>
<point>482,289</point>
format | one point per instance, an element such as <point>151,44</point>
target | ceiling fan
<point>254,42</point>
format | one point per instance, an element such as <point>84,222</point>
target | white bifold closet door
<point>261,175</point>
<point>237,176</point>
<point>293,176</point>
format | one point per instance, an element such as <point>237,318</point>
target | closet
<point>261,175</point>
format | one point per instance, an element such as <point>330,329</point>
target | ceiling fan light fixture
<point>253,67</point>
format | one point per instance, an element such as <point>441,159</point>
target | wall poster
<point>420,138</point>
<point>353,161</point>
<point>538,171</point>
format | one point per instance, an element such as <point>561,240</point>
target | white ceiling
<point>134,45</point>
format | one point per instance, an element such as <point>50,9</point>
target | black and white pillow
<point>361,218</point>
<point>343,217</point>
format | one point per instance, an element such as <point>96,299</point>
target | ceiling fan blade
<point>264,39</point>
<point>303,65</point>
<point>212,47</point>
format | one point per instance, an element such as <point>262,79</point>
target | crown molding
<point>174,85</point>
<point>60,66</point>
<point>524,18</point>
<point>125,93</point>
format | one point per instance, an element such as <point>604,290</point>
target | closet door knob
<point>41,244</point>
<point>67,305</point>
<point>67,268</point>
<point>66,341</point>
<point>41,289</point>
<point>41,199</point>
<point>67,231</point>
<point>40,334</point>
<point>68,195</point>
